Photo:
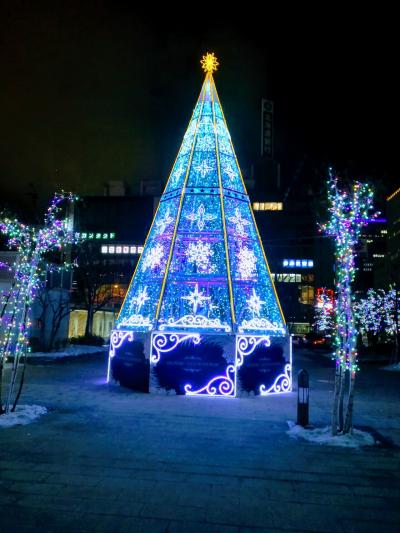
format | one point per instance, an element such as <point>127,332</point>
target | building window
<point>267,206</point>
<point>306,295</point>
<point>287,277</point>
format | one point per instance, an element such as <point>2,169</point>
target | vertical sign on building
<point>267,119</point>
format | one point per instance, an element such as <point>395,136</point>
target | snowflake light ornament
<point>153,257</point>
<point>201,217</point>
<point>255,303</point>
<point>240,223</point>
<point>204,168</point>
<point>230,172</point>
<point>141,299</point>
<point>164,222</point>
<point>196,298</point>
<point>200,253</point>
<point>246,262</point>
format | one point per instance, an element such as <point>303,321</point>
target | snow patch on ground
<point>74,350</point>
<point>323,436</point>
<point>392,368</point>
<point>24,414</point>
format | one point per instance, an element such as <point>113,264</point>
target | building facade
<point>112,231</point>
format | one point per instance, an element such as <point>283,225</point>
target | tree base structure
<point>197,364</point>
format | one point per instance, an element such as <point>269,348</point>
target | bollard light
<point>303,389</point>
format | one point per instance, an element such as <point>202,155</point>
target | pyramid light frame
<point>203,269</point>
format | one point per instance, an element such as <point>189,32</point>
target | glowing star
<point>247,262</point>
<point>204,168</point>
<point>141,299</point>
<point>164,222</point>
<point>201,217</point>
<point>200,254</point>
<point>209,63</point>
<point>153,257</point>
<point>239,222</point>
<point>255,303</point>
<point>196,298</point>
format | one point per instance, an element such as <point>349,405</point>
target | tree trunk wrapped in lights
<point>350,210</point>
<point>30,271</point>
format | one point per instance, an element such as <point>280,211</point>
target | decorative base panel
<point>194,364</point>
<point>263,364</point>
<point>128,361</point>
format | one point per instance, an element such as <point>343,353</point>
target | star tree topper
<point>209,63</point>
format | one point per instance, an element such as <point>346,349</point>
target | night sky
<point>92,91</point>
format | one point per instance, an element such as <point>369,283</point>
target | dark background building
<point>112,230</point>
<point>393,237</point>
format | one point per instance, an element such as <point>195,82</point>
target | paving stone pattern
<point>108,460</point>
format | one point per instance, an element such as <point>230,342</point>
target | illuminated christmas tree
<point>324,312</point>
<point>203,270</point>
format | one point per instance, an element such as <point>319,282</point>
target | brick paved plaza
<point>105,459</point>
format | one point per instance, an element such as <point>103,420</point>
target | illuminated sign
<point>86,236</point>
<point>298,263</point>
<point>124,249</point>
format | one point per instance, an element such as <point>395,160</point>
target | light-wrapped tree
<point>350,210</point>
<point>30,269</point>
